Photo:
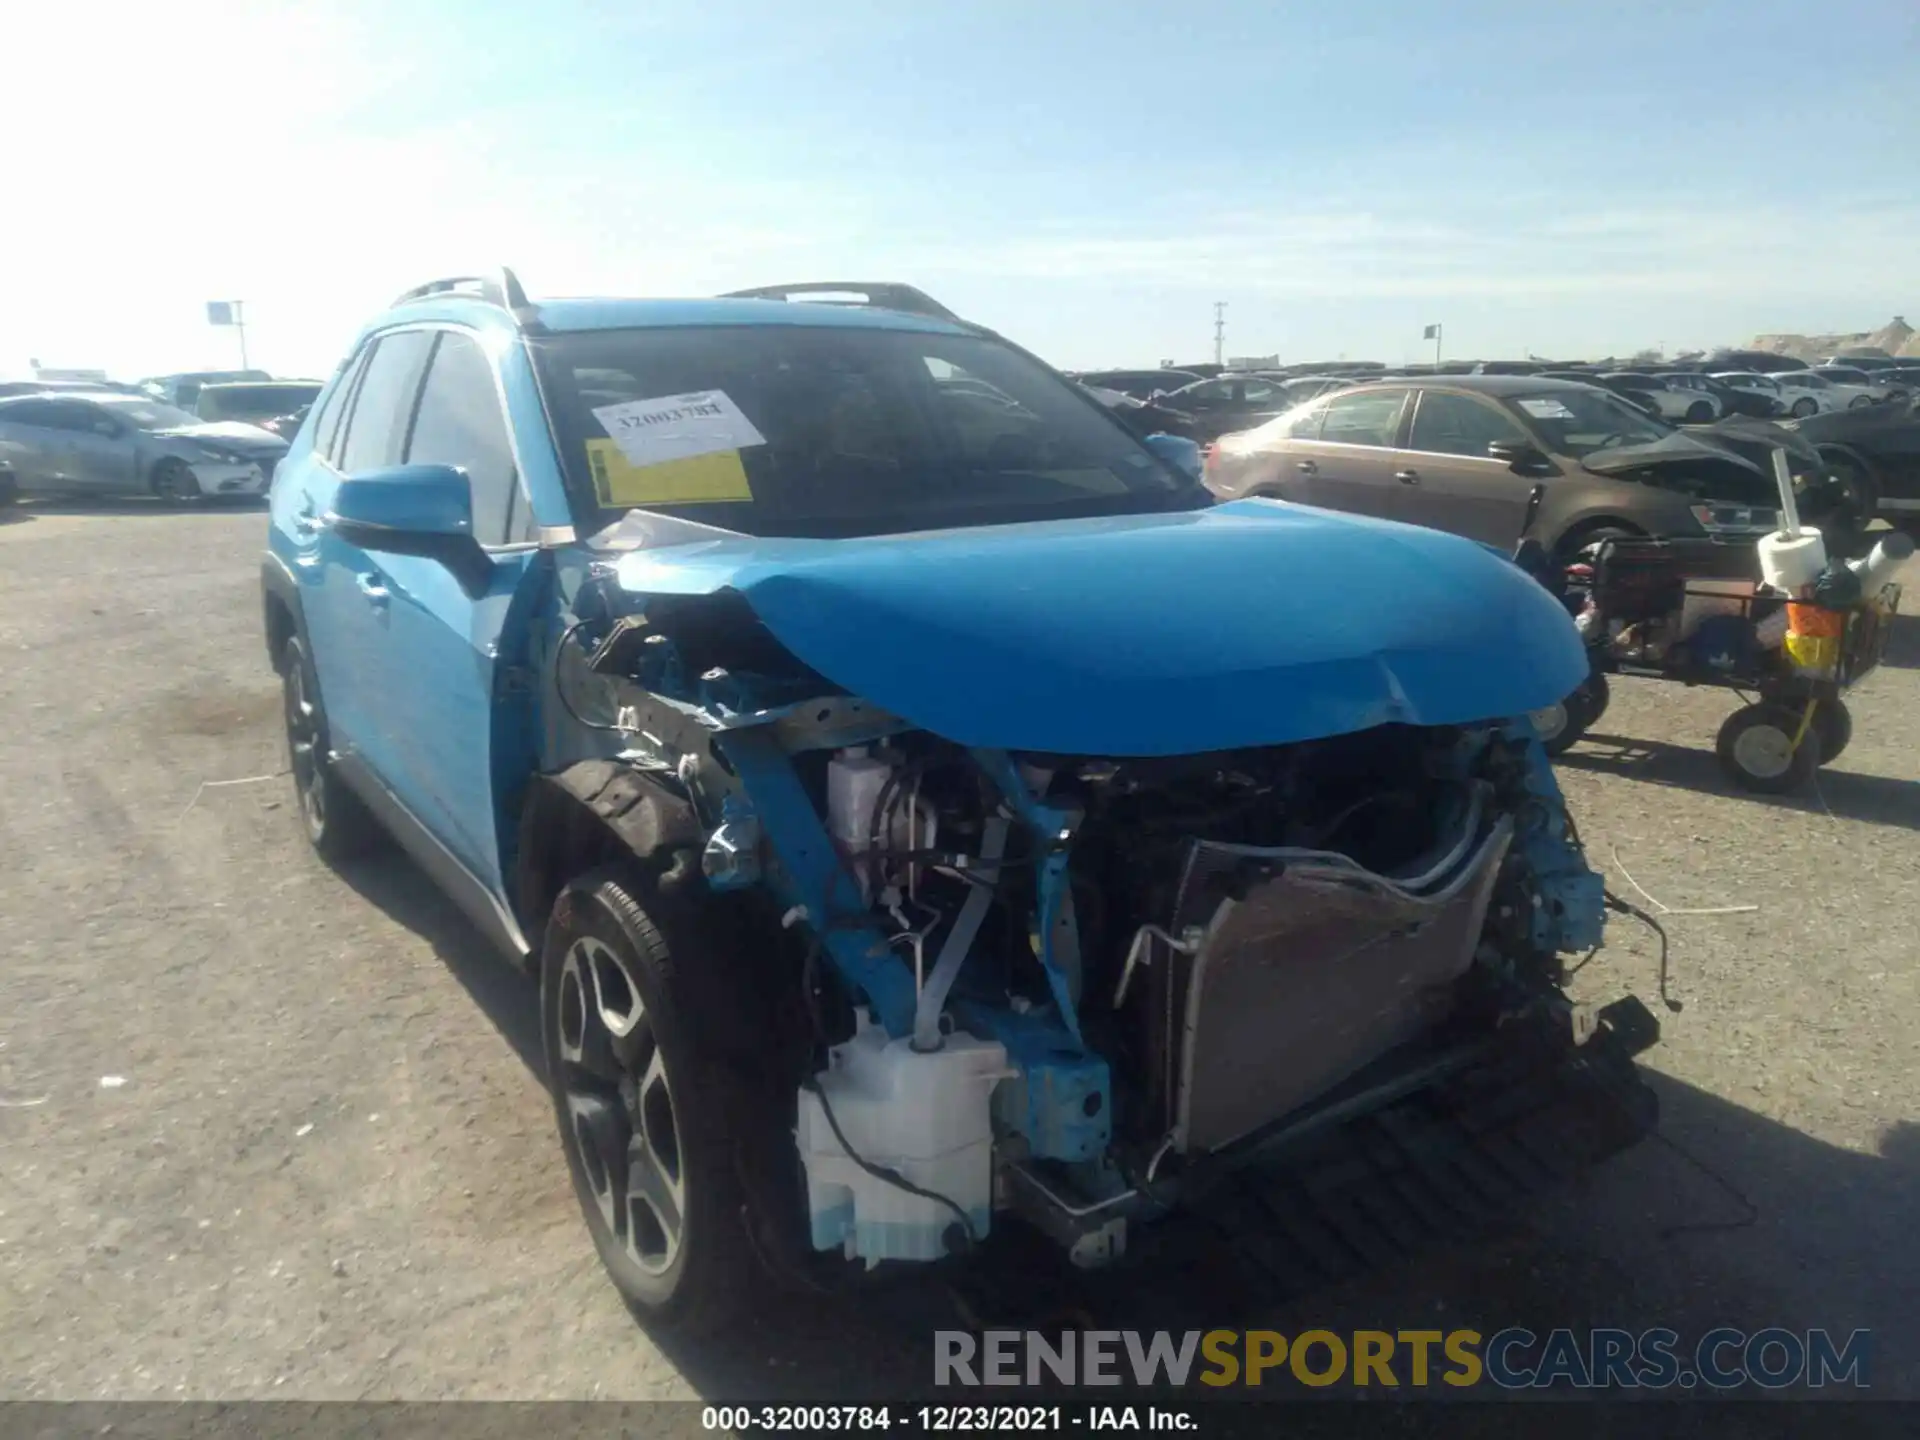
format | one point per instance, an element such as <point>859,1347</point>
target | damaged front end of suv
<point>1082,867</point>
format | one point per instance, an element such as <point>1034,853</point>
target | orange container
<point>1816,622</point>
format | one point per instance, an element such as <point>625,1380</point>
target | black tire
<point>1860,402</point>
<point>621,956</point>
<point>174,483</point>
<point>1834,723</point>
<point>1860,499</point>
<point>337,824</point>
<point>1699,413</point>
<point>1803,407</point>
<point>1757,752</point>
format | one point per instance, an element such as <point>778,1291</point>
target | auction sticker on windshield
<point>676,427</point>
<point>710,479</point>
<point>1543,407</point>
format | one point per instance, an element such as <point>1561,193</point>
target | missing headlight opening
<point>1085,989</point>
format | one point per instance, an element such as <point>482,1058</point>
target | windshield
<point>834,431</point>
<point>1577,422</point>
<point>242,402</point>
<point>147,414</point>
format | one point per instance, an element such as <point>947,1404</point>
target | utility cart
<point>1695,611</point>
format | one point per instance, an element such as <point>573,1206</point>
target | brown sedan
<point>1496,458</point>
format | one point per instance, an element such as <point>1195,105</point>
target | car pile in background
<point>1679,449</point>
<point>178,438</point>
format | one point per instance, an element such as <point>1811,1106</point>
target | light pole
<point>1219,332</point>
<point>231,312</point>
<point>1432,332</point>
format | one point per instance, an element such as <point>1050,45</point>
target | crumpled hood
<point>1254,623</point>
<point>1675,449</point>
<point>230,435</point>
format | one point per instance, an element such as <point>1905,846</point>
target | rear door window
<point>376,428</point>
<point>1368,417</point>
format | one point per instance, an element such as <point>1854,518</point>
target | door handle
<point>371,587</point>
<point>1306,467</point>
<point>1407,477</point>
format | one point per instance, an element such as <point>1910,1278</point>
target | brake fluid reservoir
<point>855,781</point>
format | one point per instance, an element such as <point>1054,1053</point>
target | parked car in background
<point>1140,384</point>
<point>254,402</point>
<point>1229,402</point>
<point>184,389</point>
<point>1150,417</point>
<point>1798,395</point>
<point>61,387</point>
<point>108,445</point>
<point>1680,404</point>
<point>1628,387</point>
<point>1731,401</point>
<point>1759,362</point>
<point>1498,459</point>
<point>1877,448</point>
<point>1882,384</point>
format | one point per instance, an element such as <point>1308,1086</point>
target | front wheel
<point>1699,413</point>
<point>650,1112</point>
<point>338,824</point>
<point>1758,750</point>
<point>174,482</point>
<point>1860,402</point>
<point>1804,407</point>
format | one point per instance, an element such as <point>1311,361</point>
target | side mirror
<point>424,510</point>
<point>1520,457</point>
<point>1182,455</point>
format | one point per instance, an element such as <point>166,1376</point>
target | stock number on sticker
<point>797,1419</point>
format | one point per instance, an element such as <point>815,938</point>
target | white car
<point>1674,403</point>
<point>1880,384</point>
<point>1801,392</point>
<point>1692,392</point>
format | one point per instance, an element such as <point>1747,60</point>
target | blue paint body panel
<point>1255,623</point>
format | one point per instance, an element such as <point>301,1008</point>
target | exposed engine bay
<point>1067,985</point>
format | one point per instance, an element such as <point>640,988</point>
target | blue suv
<point>922,807</point>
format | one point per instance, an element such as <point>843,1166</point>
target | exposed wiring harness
<point>560,689</point>
<point>1624,907</point>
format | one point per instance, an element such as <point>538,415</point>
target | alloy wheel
<point>619,1105</point>
<point>303,750</point>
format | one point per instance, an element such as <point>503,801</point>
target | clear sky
<point>1088,178</point>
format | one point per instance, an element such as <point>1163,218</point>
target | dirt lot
<point>269,1131</point>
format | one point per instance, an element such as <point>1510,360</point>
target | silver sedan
<point>109,445</point>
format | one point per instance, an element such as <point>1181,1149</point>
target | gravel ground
<point>269,1131</point>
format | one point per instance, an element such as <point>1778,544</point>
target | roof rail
<point>501,288</point>
<point>880,295</point>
